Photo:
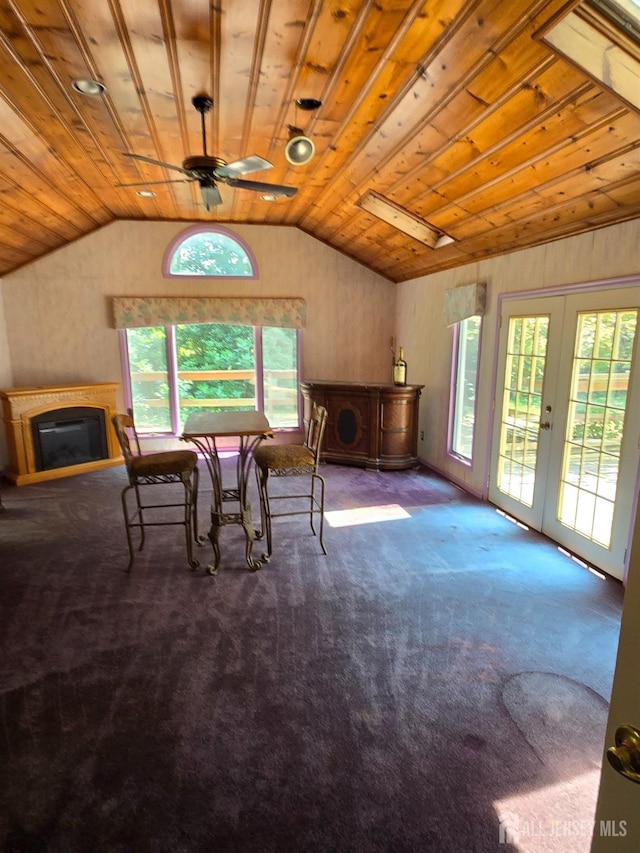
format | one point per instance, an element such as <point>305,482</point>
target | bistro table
<point>204,429</point>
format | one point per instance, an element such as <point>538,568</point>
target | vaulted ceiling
<point>456,121</point>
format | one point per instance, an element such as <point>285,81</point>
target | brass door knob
<point>625,755</point>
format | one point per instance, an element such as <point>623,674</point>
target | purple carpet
<point>441,677</point>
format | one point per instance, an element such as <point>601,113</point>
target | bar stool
<point>293,460</point>
<point>157,469</point>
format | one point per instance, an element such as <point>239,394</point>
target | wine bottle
<point>400,369</point>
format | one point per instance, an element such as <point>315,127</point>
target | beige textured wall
<point>59,317</point>
<point>603,254</point>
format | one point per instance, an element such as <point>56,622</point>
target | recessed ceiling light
<point>146,193</point>
<point>308,104</point>
<point>87,86</point>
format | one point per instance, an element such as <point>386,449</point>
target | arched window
<point>209,251</point>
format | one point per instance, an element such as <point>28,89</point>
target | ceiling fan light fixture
<point>299,149</point>
<point>210,194</point>
<point>209,171</point>
<point>87,86</point>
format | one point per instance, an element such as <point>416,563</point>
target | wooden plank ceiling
<point>454,111</point>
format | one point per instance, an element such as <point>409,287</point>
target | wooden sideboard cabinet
<point>372,425</point>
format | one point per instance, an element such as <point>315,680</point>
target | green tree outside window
<point>211,253</point>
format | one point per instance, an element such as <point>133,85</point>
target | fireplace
<point>58,431</point>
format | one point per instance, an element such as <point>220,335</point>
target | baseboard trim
<point>460,484</point>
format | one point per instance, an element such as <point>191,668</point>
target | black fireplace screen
<point>63,437</point>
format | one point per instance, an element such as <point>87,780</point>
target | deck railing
<point>280,394</point>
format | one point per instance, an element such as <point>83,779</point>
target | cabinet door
<point>348,431</point>
<point>398,444</point>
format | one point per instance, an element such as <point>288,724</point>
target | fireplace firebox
<point>69,436</point>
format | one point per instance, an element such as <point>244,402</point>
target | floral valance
<point>135,312</point>
<point>468,300</point>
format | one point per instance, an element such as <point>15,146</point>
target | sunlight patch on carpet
<point>546,818</point>
<point>365,515</point>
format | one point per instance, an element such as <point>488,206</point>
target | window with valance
<point>464,308</point>
<point>134,312</point>
<point>188,354</point>
<point>467,300</point>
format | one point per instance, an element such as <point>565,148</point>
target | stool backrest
<point>124,426</point>
<point>315,430</point>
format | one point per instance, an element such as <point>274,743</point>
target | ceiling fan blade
<point>210,195</point>
<point>156,162</point>
<point>253,163</point>
<point>153,183</point>
<point>259,187</point>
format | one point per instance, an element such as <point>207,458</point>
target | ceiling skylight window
<point>602,37</point>
<point>404,220</point>
<point>624,13</point>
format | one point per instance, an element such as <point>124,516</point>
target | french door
<point>567,420</point>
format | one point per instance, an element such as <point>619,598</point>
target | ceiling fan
<point>211,171</point>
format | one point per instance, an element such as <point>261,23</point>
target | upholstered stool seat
<point>169,463</point>
<point>156,469</point>
<point>284,457</point>
<point>293,460</point>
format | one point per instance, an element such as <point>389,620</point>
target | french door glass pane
<point>147,348</point>
<point>593,441</point>
<point>280,376</point>
<point>215,368</point>
<point>522,406</point>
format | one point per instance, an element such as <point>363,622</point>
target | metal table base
<point>205,429</point>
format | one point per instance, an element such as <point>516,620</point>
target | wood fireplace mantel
<point>20,405</point>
